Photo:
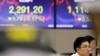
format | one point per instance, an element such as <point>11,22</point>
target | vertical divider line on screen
<point>55,21</point>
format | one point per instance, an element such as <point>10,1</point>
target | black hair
<point>90,38</point>
<point>78,42</point>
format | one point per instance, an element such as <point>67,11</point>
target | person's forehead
<point>93,41</point>
<point>85,43</point>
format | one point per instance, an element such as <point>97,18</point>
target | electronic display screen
<point>69,14</point>
<point>40,12</point>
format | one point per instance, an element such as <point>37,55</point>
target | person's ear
<point>77,49</point>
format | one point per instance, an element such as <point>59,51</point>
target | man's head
<point>81,46</point>
<point>91,41</point>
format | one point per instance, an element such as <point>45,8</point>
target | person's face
<point>92,44</point>
<point>84,49</point>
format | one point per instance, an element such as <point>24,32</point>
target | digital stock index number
<point>25,9</point>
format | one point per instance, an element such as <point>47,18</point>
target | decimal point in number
<point>30,13</point>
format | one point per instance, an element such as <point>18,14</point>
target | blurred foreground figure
<point>24,41</point>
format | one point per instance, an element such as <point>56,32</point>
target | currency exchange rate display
<point>70,14</point>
